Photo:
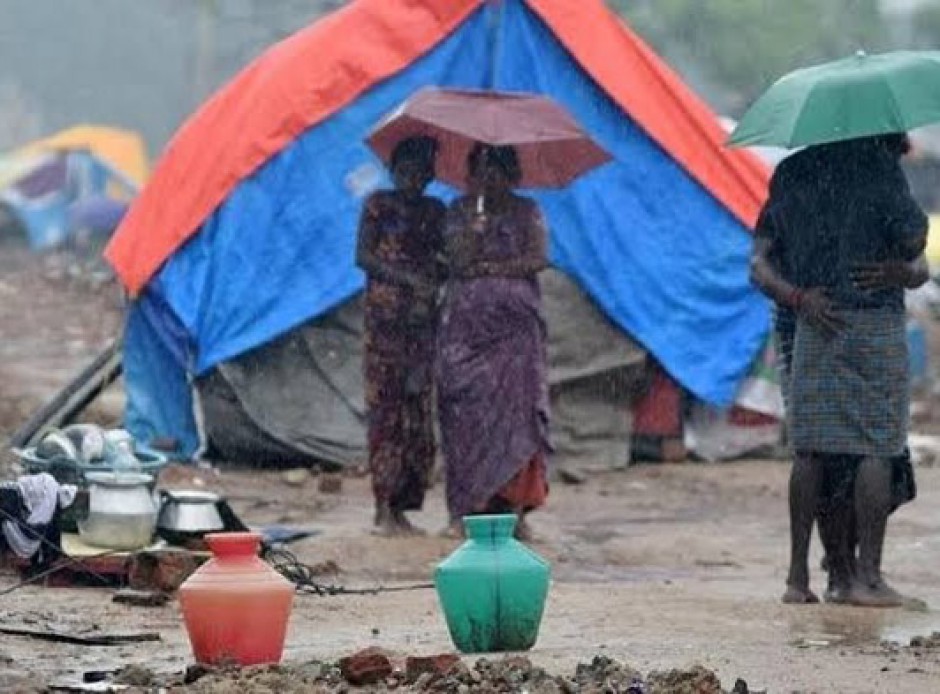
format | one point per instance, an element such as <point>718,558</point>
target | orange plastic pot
<point>235,606</point>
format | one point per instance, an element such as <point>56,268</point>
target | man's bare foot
<point>876,594</point>
<point>838,589</point>
<point>838,595</point>
<point>795,595</point>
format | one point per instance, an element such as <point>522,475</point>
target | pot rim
<point>191,496</point>
<point>119,479</point>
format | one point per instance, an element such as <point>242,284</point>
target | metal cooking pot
<point>121,511</point>
<point>187,515</point>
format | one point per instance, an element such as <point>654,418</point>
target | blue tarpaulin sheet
<point>656,251</point>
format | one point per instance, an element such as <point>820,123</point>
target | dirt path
<point>657,567</point>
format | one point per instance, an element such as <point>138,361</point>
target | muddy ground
<point>657,567</point>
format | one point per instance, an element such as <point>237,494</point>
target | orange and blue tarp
<point>247,227</point>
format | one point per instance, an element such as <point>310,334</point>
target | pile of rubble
<point>374,670</point>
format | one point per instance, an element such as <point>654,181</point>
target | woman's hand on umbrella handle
<point>815,307</point>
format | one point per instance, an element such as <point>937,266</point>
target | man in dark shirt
<point>836,243</point>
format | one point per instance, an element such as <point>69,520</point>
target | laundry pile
<point>28,506</point>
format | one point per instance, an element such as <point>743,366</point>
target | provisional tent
<point>247,228</point>
<point>57,186</point>
<point>300,398</point>
<point>120,149</point>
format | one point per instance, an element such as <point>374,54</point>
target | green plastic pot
<point>492,589</point>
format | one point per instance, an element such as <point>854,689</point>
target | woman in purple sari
<point>400,249</point>
<point>492,385</point>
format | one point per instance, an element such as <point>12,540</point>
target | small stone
<point>423,681</point>
<point>140,598</point>
<point>162,572</point>
<point>569,476</point>
<point>366,667</point>
<point>194,673</point>
<point>134,675</point>
<point>437,665</point>
<point>296,477</point>
<point>327,568</point>
<point>330,484</point>
<point>94,676</point>
<point>173,569</point>
<point>460,672</point>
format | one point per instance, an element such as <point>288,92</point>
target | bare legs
<point>872,506</point>
<point>805,489</point>
<point>835,530</point>
<point>845,521</point>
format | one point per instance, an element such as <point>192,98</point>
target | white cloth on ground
<point>41,494</point>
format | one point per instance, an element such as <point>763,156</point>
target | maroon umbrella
<point>553,149</point>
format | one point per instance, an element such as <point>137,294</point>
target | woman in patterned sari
<point>400,250</point>
<point>492,385</point>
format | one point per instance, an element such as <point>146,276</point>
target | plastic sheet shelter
<point>247,228</point>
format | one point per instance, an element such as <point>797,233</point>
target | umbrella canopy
<point>853,97</point>
<point>553,149</point>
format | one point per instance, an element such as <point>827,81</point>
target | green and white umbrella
<point>853,97</point>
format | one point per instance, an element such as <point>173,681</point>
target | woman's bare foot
<point>386,524</point>
<point>795,595</point>
<point>876,594</point>
<point>453,531</point>
<point>523,531</point>
<point>404,525</point>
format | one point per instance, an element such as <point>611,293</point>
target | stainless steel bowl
<point>188,514</point>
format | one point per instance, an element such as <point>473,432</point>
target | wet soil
<point>657,568</point>
<point>57,313</point>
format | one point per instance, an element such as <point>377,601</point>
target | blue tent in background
<point>55,195</point>
<point>247,228</point>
